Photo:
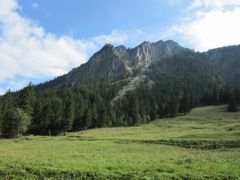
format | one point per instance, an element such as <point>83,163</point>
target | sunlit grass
<point>159,150</point>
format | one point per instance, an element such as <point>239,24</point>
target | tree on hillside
<point>16,123</point>
<point>87,119</point>
<point>215,96</point>
<point>55,116</point>
<point>26,99</point>
<point>173,106</point>
<point>134,110</point>
<point>68,116</point>
<point>184,106</point>
<point>232,104</point>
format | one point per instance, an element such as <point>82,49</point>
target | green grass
<point>204,144</point>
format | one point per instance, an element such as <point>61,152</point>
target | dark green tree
<point>36,126</point>
<point>55,116</point>
<point>134,110</point>
<point>68,116</point>
<point>215,96</point>
<point>26,99</point>
<point>87,119</point>
<point>232,104</point>
<point>173,106</point>
<point>184,106</point>
<point>16,123</point>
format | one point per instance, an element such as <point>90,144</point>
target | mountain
<point>119,62</point>
<point>226,62</point>
<point>122,86</point>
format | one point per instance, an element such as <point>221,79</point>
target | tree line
<point>90,105</point>
<point>170,87</point>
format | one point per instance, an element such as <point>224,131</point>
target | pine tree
<point>79,109</point>
<point>184,106</point>
<point>55,116</point>
<point>173,107</point>
<point>215,96</point>
<point>87,121</point>
<point>134,110</point>
<point>232,104</point>
<point>16,123</point>
<point>154,110</point>
<point>68,116</point>
<point>26,99</point>
<point>36,123</point>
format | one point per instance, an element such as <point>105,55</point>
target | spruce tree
<point>16,123</point>
<point>87,120</point>
<point>26,99</point>
<point>173,106</point>
<point>134,110</point>
<point>184,106</point>
<point>232,104</point>
<point>68,116</point>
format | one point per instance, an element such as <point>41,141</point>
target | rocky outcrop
<point>119,62</point>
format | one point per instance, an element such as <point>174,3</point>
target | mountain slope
<point>119,62</point>
<point>226,62</point>
<point>119,86</point>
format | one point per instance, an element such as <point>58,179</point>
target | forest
<point>90,105</point>
<point>169,88</point>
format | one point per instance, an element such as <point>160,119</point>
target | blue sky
<point>42,39</point>
<point>86,19</point>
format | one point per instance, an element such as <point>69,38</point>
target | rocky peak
<point>118,61</point>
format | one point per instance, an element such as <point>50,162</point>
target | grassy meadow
<point>204,144</point>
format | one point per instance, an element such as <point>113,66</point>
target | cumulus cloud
<point>210,24</point>
<point>28,53</point>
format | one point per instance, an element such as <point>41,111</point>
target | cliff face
<point>119,62</point>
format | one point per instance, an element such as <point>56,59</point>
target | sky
<point>42,39</point>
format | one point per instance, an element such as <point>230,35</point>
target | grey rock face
<point>119,61</point>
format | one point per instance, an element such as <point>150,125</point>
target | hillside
<point>201,145</point>
<point>122,86</point>
<point>120,62</point>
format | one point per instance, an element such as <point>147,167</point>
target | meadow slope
<point>204,144</point>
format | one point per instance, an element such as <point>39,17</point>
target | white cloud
<point>209,24</point>
<point>213,3</point>
<point>27,51</point>
<point>115,36</point>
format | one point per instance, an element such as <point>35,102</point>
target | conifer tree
<point>68,116</point>
<point>173,106</point>
<point>55,115</point>
<point>16,123</point>
<point>87,120</point>
<point>184,106</point>
<point>26,99</point>
<point>134,110</point>
<point>232,104</point>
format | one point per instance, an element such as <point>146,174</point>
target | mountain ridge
<point>118,63</point>
<point>121,86</point>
